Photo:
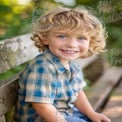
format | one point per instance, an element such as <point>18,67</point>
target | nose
<point>72,43</point>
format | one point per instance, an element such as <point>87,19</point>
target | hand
<point>60,118</point>
<point>99,117</point>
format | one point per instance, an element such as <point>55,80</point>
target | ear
<point>45,41</point>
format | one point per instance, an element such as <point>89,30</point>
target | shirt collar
<point>54,60</point>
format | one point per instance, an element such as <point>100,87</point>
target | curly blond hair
<point>73,19</point>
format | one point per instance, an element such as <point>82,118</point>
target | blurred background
<point>17,17</point>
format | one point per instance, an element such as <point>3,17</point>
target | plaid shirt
<point>46,80</point>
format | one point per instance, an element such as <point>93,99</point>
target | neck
<point>66,65</point>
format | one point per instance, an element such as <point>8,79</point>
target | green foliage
<point>114,56</point>
<point>114,36</point>
<point>15,19</point>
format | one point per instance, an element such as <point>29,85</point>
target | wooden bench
<point>13,52</point>
<point>16,52</point>
<point>100,92</point>
<point>113,108</point>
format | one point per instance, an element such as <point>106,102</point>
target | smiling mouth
<point>69,51</point>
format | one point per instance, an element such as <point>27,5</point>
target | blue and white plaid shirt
<point>46,80</point>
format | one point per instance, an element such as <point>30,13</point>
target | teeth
<point>69,51</point>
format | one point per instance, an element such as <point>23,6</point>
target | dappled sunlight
<point>2,31</point>
<point>114,111</point>
<point>114,107</point>
<point>117,98</point>
<point>23,2</point>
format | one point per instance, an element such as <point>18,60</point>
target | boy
<point>50,88</point>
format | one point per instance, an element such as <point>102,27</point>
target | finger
<point>106,119</point>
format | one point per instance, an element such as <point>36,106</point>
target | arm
<point>48,112</point>
<point>85,107</point>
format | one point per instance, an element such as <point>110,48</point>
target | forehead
<point>78,32</point>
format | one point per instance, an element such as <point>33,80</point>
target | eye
<point>61,36</point>
<point>82,38</point>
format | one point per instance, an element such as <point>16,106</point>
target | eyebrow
<point>61,33</point>
<point>66,33</point>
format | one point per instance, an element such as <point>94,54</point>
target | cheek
<point>54,45</point>
<point>85,46</point>
<point>57,43</point>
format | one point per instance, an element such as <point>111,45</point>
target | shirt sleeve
<point>41,85</point>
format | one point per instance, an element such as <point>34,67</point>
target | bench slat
<point>16,51</point>
<point>8,94</point>
<point>101,90</point>
<point>2,119</point>
<point>113,108</point>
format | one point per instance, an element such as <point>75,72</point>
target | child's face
<point>67,46</point>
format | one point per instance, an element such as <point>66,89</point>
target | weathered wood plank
<point>85,62</point>
<point>100,91</point>
<point>2,119</point>
<point>8,94</point>
<point>94,69</point>
<point>113,108</point>
<point>16,51</point>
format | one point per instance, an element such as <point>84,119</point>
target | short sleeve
<point>41,85</point>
